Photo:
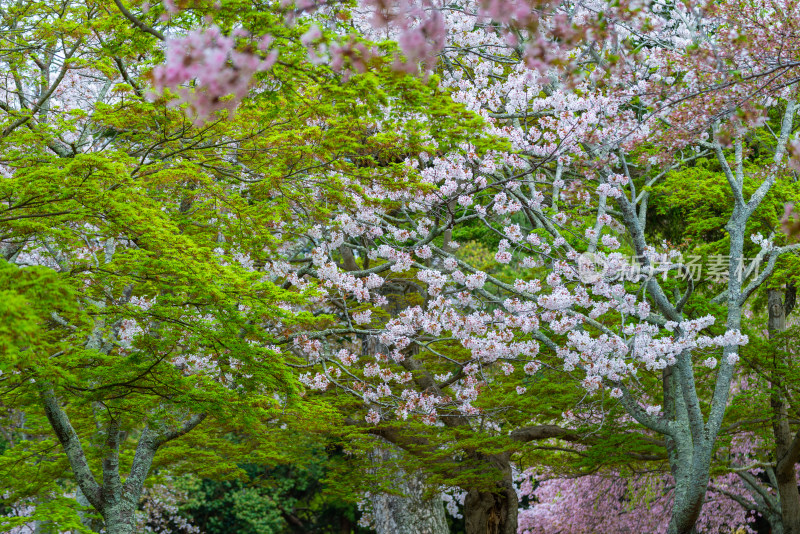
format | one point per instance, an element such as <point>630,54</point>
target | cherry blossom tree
<point>573,143</point>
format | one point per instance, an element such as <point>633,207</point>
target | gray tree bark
<point>410,512</point>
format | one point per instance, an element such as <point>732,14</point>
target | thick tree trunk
<point>119,519</point>
<point>775,524</point>
<point>785,452</point>
<point>790,504</point>
<point>689,458</point>
<point>411,512</point>
<point>690,485</point>
<point>686,511</point>
<point>493,512</point>
<point>490,513</point>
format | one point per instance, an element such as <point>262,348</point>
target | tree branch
<point>72,447</point>
<point>138,23</point>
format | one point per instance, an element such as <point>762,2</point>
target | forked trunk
<point>689,458</point>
